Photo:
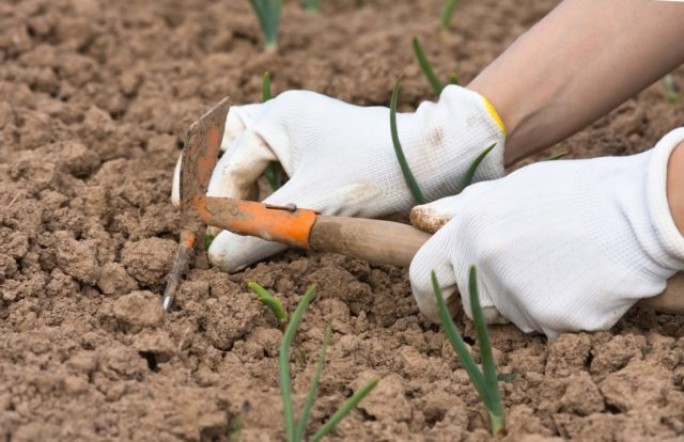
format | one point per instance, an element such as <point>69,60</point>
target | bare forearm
<point>582,60</point>
<point>675,186</point>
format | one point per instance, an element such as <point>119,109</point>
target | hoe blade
<point>200,155</point>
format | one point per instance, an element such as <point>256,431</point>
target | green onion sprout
<point>345,408</point>
<point>555,156</point>
<point>425,66</point>
<point>485,381</point>
<point>208,239</point>
<point>427,69</point>
<point>454,79</point>
<point>470,173</point>
<point>266,88</point>
<point>671,92</point>
<point>268,14</point>
<point>295,430</point>
<point>399,151</point>
<point>272,172</point>
<point>448,11</point>
<point>311,5</point>
<point>270,301</point>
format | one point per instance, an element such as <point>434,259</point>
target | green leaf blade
<point>270,301</point>
<point>454,79</point>
<point>311,396</point>
<point>448,11</point>
<point>311,5</point>
<point>344,409</point>
<point>268,14</point>
<point>670,90</point>
<point>556,156</point>
<point>272,175</point>
<point>208,239</point>
<point>426,67</point>
<point>456,340</point>
<point>266,88</point>
<point>470,173</point>
<point>399,151</point>
<point>284,362</point>
<point>492,400</point>
<point>272,172</point>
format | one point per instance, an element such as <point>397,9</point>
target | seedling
<point>673,94</point>
<point>272,173</point>
<point>485,381</point>
<point>508,377</point>
<point>266,88</point>
<point>454,79</point>
<point>270,301</point>
<point>311,5</point>
<point>426,67</point>
<point>470,173</point>
<point>399,151</point>
<point>555,156</point>
<point>448,11</point>
<point>295,431</point>
<point>268,14</point>
<point>208,239</point>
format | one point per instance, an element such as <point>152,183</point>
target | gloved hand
<point>341,161</point>
<point>559,245</point>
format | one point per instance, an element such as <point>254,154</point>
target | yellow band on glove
<point>495,115</point>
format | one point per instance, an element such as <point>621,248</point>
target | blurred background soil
<point>95,98</point>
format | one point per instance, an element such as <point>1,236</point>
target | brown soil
<point>95,97</point>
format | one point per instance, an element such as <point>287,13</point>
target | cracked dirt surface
<point>95,98</point>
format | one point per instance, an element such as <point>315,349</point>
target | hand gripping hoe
<point>380,242</point>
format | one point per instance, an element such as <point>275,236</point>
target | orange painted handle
<point>274,223</point>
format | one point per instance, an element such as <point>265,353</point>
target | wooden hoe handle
<point>386,242</point>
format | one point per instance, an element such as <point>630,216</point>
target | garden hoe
<point>200,154</point>
<point>376,241</point>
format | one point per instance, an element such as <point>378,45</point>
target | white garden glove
<point>559,245</point>
<point>341,161</point>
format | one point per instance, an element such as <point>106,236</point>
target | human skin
<point>675,186</point>
<point>578,63</point>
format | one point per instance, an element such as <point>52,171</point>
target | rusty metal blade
<point>200,155</point>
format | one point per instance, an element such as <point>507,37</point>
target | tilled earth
<point>95,97</point>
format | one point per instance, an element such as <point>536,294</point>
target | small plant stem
<point>284,362</point>
<point>399,151</point>
<point>208,239</point>
<point>268,14</point>
<point>311,5</point>
<point>454,79</point>
<point>448,10</point>
<point>346,407</point>
<point>311,396</point>
<point>555,156</point>
<point>470,173</point>
<point>272,175</point>
<point>272,172</point>
<point>456,340</point>
<point>493,399</point>
<point>670,90</point>
<point>497,423</point>
<point>270,301</point>
<point>485,381</point>
<point>266,88</point>
<point>425,66</point>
